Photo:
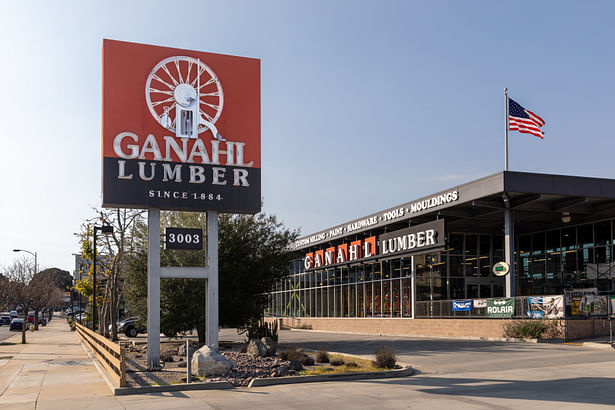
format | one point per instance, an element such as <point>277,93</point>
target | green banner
<point>500,308</point>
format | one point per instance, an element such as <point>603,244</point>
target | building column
<point>509,251</point>
<point>412,286</point>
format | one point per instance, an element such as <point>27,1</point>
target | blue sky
<point>365,104</point>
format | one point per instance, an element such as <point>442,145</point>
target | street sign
<point>183,238</point>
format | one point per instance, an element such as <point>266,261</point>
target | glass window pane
<point>485,245</point>
<point>553,244</point>
<point>471,245</point>
<point>395,298</point>
<point>585,235</point>
<point>455,244</point>
<point>406,297</point>
<point>538,243</point>
<point>602,230</point>
<point>395,268</point>
<point>377,299</point>
<point>386,298</point>
<point>360,300</point>
<point>386,269</point>
<point>369,299</point>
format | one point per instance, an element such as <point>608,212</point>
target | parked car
<point>130,327</point>
<point>13,314</point>
<point>5,320</point>
<point>16,324</point>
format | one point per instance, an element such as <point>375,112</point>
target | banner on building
<point>612,305</point>
<point>500,308</point>
<point>462,305</point>
<point>480,303</point>
<point>545,307</point>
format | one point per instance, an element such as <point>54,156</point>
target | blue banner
<point>462,305</point>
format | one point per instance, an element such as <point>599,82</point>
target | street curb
<point>272,381</point>
<point>470,338</point>
<point>122,391</point>
<point>598,346</point>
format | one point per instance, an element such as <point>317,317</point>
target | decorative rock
<point>206,361</point>
<point>270,345</point>
<point>257,348</point>
<point>295,365</point>
<point>280,372</point>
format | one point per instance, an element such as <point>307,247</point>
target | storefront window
<point>395,298</point>
<point>386,298</point>
<point>602,232</point>
<point>377,299</point>
<point>406,297</point>
<point>369,301</point>
<point>360,300</point>
<point>585,234</point>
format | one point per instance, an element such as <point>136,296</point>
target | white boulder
<point>208,362</point>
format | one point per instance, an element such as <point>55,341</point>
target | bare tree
<point>44,293</point>
<point>19,275</point>
<point>5,292</point>
<point>113,250</point>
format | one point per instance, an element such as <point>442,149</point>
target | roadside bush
<point>322,356</point>
<point>307,360</point>
<point>530,329</point>
<point>337,362</point>
<point>386,358</point>
<point>292,353</point>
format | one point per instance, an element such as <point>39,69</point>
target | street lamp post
<point>31,253</point>
<point>106,229</point>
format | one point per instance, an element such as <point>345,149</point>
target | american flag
<point>523,120</point>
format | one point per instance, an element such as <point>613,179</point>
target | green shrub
<point>529,329</point>
<point>322,356</point>
<point>386,358</point>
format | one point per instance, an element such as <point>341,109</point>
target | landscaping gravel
<point>245,367</point>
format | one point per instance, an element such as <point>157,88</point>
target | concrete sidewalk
<point>52,371</point>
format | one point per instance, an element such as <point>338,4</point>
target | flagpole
<point>506,130</point>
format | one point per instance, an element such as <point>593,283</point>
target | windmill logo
<point>185,96</point>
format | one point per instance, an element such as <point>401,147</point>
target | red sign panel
<point>181,129</point>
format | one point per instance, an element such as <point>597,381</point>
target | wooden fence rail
<point>109,354</point>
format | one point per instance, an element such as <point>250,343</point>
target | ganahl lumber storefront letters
<point>416,239</point>
<point>181,129</point>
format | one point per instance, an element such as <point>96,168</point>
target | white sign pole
<point>211,314</point>
<point>153,289</point>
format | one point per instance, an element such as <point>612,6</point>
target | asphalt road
<point>4,332</point>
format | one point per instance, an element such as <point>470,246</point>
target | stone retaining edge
<point>122,391</point>
<point>271,381</point>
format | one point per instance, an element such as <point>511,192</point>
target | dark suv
<point>130,327</point>
<point>5,320</point>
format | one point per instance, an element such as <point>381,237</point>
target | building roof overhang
<point>539,202</point>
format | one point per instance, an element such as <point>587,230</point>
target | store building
<point>555,232</point>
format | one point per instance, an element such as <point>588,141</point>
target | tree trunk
<point>35,319</point>
<point>25,324</point>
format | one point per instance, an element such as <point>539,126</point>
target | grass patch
<point>351,365</point>
<point>5,357</point>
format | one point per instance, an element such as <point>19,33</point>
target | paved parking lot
<point>53,372</point>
